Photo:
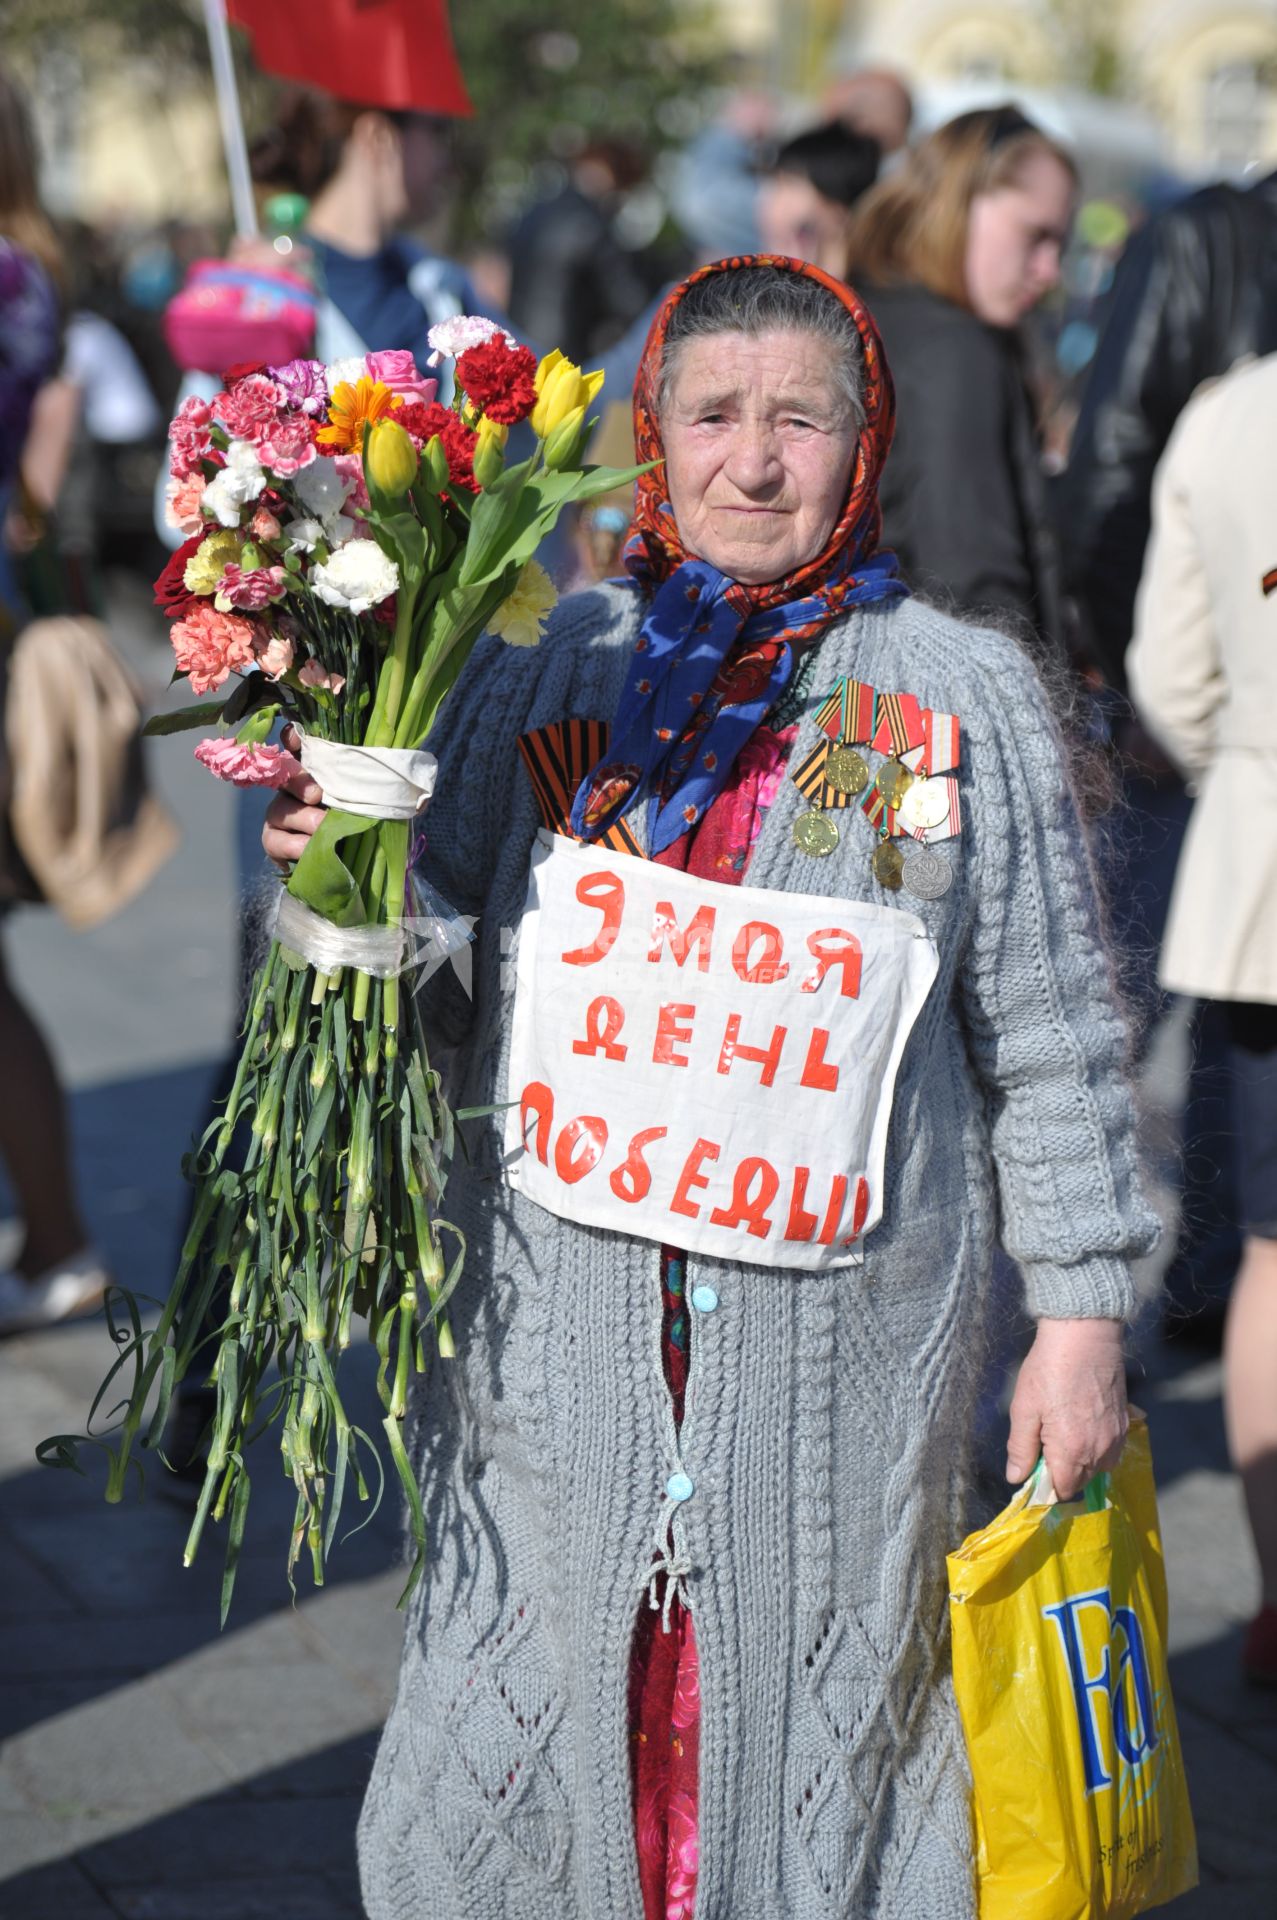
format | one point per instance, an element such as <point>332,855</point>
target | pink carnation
<point>253,589</point>
<point>313,675</point>
<point>274,654</point>
<point>397,369</point>
<point>190,437</point>
<point>248,766</point>
<point>351,467</point>
<point>210,645</point>
<point>264,525</point>
<point>250,407</point>
<point>183,504</point>
<point>286,446</point>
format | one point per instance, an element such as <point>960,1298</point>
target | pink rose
<point>249,407</point>
<point>274,654</point>
<point>397,369</point>
<point>264,525</point>
<point>313,675</point>
<point>210,645</point>
<point>253,589</point>
<point>247,766</point>
<point>190,437</point>
<point>182,508</point>
<point>286,446</point>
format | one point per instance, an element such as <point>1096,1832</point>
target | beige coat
<point>1203,675</point>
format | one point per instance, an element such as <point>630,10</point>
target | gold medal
<point>815,833</point>
<point>925,805</point>
<point>894,781</point>
<point>888,865</point>
<point>846,772</point>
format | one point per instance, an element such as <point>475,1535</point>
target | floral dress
<point>664,1674</point>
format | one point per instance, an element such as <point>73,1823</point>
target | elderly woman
<point>683,1637</point>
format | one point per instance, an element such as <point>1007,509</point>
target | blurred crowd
<point>1052,469</point>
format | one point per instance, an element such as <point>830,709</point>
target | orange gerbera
<point>353,409</point>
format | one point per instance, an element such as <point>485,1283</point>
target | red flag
<point>396,54</point>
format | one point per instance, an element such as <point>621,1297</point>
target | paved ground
<point>154,1769</point>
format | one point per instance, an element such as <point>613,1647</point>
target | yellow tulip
<point>489,462</point>
<point>390,459</point>
<point>561,389</point>
<point>563,447</point>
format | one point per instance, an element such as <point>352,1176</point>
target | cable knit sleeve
<point>1047,1037</point>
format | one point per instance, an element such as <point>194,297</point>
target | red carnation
<point>422,422</point>
<point>241,371</point>
<point>171,591</point>
<point>499,379</point>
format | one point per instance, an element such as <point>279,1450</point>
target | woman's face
<point>1015,237</point>
<point>759,441</point>
<point>797,221</point>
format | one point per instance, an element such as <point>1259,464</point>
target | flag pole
<point>233,142</point>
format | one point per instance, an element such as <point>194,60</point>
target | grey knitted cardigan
<point>827,1414</point>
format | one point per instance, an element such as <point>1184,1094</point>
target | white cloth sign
<point>707,1066</point>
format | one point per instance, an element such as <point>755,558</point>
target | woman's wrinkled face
<point>759,443</point>
<point>1015,237</point>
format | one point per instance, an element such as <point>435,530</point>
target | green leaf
<point>182,719</point>
<point>254,690</point>
<point>322,880</point>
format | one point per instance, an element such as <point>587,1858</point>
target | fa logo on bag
<point>1089,1625</point>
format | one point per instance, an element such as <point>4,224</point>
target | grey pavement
<point>154,1768</point>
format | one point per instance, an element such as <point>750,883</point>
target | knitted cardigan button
<point>680,1486</point>
<point>704,1299</point>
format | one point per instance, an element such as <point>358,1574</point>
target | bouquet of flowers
<point>349,539</point>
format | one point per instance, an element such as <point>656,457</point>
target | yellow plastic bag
<point>1059,1664</point>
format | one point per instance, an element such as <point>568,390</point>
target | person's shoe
<point>63,1291</point>
<point>1259,1650</point>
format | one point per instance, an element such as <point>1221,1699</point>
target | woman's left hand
<point>1070,1404</point>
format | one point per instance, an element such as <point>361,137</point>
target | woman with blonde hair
<point>952,252</point>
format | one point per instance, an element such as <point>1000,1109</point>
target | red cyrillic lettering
<point>817,1071</point>
<point>700,928</point>
<point>768,1058</point>
<point>539,1101</point>
<point>833,1213</point>
<point>604,1019</point>
<point>834,947</point>
<point>770,967</point>
<point>800,1225</point>
<point>632,1180</point>
<point>589,1133</point>
<point>606,893</point>
<point>746,1210</point>
<point>670,1031</point>
<point>692,1176</point>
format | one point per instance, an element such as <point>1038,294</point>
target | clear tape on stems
<point>424,940</point>
<point>381,783</point>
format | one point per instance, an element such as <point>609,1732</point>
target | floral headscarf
<point>715,654</point>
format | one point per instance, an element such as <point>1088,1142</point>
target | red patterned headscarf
<point>715,654</point>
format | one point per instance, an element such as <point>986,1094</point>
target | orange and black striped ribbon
<point>557,758</point>
<point>810,779</point>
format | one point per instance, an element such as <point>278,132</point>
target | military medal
<point>893,782</point>
<point>815,833</point>
<point>925,805</point>
<point>846,771</point>
<point>927,875</point>
<point>887,865</point>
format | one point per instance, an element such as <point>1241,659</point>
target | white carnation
<point>358,577</point>
<point>320,490</point>
<point>234,485</point>
<point>351,370</point>
<point>304,534</point>
<point>452,338</point>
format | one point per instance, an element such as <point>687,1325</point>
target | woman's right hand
<point>293,815</point>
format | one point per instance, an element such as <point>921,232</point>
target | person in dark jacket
<point>952,251</point>
<point>1194,292</point>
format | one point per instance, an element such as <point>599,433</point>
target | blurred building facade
<point>1205,71</point>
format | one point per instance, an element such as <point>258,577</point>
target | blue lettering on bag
<point>1122,1680</point>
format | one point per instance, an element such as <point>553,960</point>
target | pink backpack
<point>227,313</point>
